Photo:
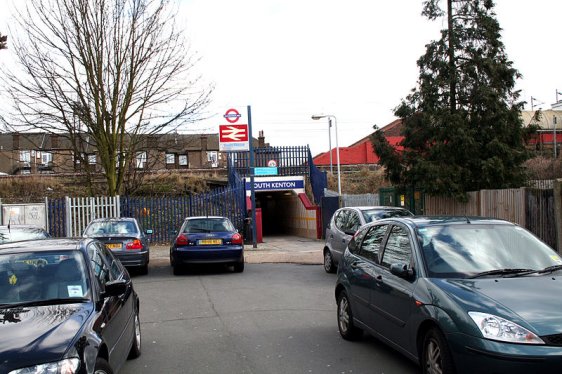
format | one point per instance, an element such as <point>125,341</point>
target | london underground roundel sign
<point>232,115</point>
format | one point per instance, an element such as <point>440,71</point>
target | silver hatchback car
<point>345,222</point>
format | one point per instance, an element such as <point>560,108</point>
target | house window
<point>120,159</point>
<point>213,158</point>
<point>182,160</point>
<point>170,158</point>
<point>46,158</point>
<point>89,157</point>
<point>141,160</point>
<point>25,156</point>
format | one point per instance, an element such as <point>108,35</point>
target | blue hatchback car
<point>207,240</point>
<point>456,294</point>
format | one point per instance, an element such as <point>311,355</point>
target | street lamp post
<point>330,144</point>
<point>554,135</point>
<point>330,116</point>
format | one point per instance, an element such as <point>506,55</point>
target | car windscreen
<point>468,249</point>
<point>14,234</point>
<point>376,214</point>
<point>198,225</point>
<point>28,277</point>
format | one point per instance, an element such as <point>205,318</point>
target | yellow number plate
<point>113,246</point>
<point>210,241</point>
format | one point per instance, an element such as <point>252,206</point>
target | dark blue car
<point>455,294</point>
<point>66,306</point>
<point>207,240</point>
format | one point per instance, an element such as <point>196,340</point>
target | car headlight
<point>67,366</point>
<point>497,328</point>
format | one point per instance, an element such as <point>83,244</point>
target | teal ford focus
<point>455,294</point>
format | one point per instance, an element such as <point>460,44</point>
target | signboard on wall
<point>24,214</point>
<point>276,184</point>
<point>266,171</point>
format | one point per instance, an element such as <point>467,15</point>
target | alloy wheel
<point>433,357</point>
<point>343,315</point>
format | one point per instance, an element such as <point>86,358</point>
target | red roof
<point>361,152</point>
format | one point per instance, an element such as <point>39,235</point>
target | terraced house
<point>41,153</point>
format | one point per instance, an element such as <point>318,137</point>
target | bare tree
<point>105,74</point>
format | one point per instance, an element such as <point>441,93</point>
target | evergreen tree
<point>461,124</point>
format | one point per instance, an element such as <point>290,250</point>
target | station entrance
<point>274,207</point>
<point>282,205</point>
<point>284,208</point>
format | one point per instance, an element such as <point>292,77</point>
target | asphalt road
<point>272,318</point>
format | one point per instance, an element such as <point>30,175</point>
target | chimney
<point>203,152</point>
<point>204,143</point>
<point>261,140</point>
<point>54,141</point>
<point>15,141</point>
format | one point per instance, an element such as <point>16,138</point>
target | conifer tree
<point>461,123</point>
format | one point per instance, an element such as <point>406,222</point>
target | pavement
<point>274,249</point>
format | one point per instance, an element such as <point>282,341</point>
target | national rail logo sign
<point>233,136</point>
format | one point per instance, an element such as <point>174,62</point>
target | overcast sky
<point>354,59</point>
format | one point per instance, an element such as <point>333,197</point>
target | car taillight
<point>237,239</point>
<point>135,244</point>
<point>182,240</point>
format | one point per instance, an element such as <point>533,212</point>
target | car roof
<point>376,207</point>
<point>425,221</point>
<point>114,219</point>
<point>45,245</point>
<point>203,217</point>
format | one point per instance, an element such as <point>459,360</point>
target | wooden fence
<point>531,208</point>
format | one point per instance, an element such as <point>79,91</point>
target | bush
<point>34,188</point>
<point>541,168</point>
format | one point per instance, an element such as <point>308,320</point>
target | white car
<point>345,222</point>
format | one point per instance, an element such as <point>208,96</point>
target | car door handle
<point>354,266</point>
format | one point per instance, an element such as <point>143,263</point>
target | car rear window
<point>193,226</point>
<point>376,214</point>
<point>103,228</point>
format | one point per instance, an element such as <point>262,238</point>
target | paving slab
<point>273,249</point>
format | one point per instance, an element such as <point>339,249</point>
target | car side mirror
<point>115,288</point>
<point>402,270</point>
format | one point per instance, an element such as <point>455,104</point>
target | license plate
<point>113,246</point>
<point>210,241</point>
